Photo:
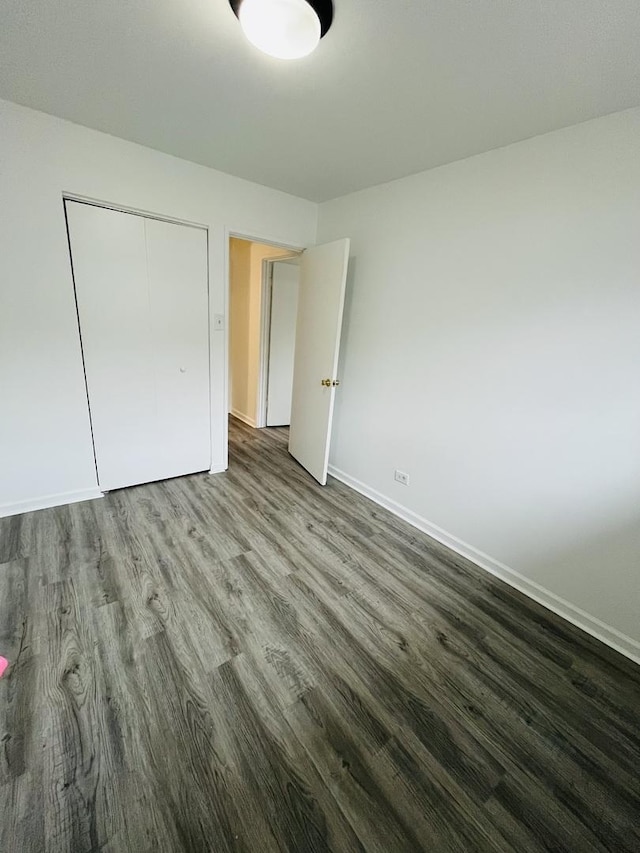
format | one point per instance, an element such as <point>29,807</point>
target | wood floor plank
<point>22,820</point>
<point>250,662</point>
<point>15,537</point>
<point>348,770</point>
<point>279,786</point>
<point>21,626</point>
<point>183,734</point>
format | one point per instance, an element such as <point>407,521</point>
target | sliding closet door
<point>141,289</point>
<point>177,269</point>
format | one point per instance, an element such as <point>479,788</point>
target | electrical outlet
<point>401,477</point>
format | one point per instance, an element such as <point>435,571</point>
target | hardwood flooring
<point>250,662</point>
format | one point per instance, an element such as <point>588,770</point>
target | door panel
<point>113,306</point>
<point>323,275</point>
<point>177,270</point>
<point>282,342</point>
<point>142,306</point>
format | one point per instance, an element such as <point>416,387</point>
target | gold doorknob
<point>329,382</point>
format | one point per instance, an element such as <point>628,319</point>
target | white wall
<point>491,349</point>
<point>45,442</point>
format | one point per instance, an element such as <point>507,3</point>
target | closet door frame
<point>74,197</point>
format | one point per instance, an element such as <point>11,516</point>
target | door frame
<point>136,211</point>
<point>289,251</point>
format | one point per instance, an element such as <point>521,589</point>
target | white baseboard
<point>600,630</point>
<point>244,418</point>
<point>47,501</point>
<point>218,468</point>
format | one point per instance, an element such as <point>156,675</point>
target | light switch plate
<point>218,322</point>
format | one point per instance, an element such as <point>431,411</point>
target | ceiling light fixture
<point>286,29</point>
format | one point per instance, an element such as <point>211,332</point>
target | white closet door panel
<point>177,269</point>
<point>110,275</point>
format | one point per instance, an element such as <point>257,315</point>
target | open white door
<point>323,277</point>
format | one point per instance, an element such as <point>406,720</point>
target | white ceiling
<point>395,87</point>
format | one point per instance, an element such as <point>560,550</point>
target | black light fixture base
<point>322,8</point>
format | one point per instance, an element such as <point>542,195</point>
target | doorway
<point>263,293</point>
<point>301,358</point>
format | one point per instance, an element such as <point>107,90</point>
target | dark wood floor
<point>250,662</point>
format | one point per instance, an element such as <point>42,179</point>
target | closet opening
<point>141,286</point>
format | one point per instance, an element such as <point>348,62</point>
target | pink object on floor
<point>4,663</point>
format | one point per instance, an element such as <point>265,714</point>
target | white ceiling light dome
<point>285,29</point>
